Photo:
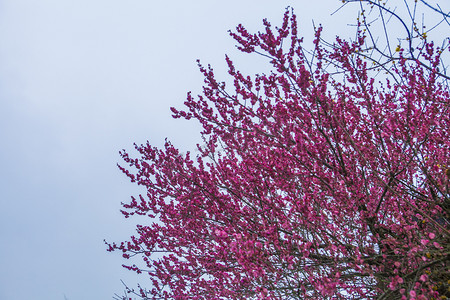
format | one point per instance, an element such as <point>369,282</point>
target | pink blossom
<point>437,245</point>
<point>311,179</point>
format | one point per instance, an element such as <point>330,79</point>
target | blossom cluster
<point>315,181</point>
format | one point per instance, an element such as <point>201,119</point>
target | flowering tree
<point>315,181</point>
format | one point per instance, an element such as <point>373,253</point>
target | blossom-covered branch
<point>316,181</point>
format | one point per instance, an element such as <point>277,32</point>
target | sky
<point>81,80</point>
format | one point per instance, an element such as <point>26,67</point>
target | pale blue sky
<point>79,81</point>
